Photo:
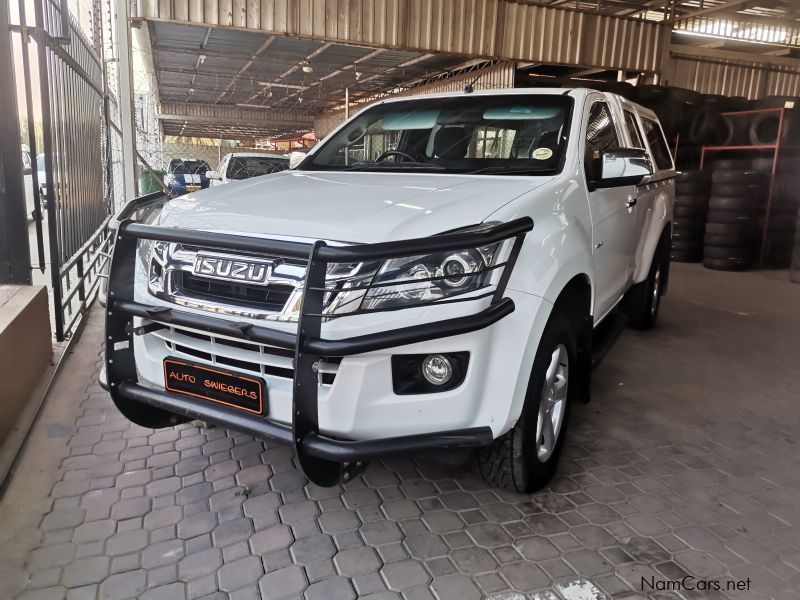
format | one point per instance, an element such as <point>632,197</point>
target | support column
<point>123,37</point>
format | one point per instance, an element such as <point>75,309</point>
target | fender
<point>548,274</point>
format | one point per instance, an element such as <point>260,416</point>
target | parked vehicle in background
<point>27,172</point>
<point>246,165</point>
<point>41,175</point>
<point>185,175</point>
<point>440,272</point>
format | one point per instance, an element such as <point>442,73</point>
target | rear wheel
<point>524,459</point>
<point>644,299</point>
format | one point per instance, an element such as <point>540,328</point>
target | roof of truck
<point>571,91</point>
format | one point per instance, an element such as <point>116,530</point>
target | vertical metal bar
<point>44,92</point>
<point>305,409</point>
<point>81,283</point>
<point>14,250</point>
<point>767,214</point>
<point>32,144</point>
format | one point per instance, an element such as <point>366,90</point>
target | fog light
<point>437,369</point>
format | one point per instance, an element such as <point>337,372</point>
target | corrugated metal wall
<point>501,29</point>
<point>553,35</point>
<point>732,78</point>
<point>496,76</point>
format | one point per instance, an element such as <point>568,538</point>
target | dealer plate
<point>218,385</point>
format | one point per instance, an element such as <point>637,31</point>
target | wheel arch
<point>575,296</point>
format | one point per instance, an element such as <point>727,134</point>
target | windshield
<point>516,134</point>
<point>188,167</point>
<point>245,167</point>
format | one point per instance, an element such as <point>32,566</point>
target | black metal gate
<point>72,196</point>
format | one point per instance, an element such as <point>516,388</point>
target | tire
<point>727,252</point>
<point>693,245</point>
<point>651,93</point>
<point>643,300</point>
<point>724,264</point>
<point>512,461</point>
<point>729,216</point>
<point>764,128</point>
<point>719,239</point>
<point>670,115</point>
<point>731,164</point>
<point>739,229</point>
<point>703,125</point>
<point>736,176</point>
<point>737,203</point>
<point>689,256</point>
<point>687,235</point>
<point>686,97</point>
<point>725,134</point>
<point>686,176</point>
<point>732,189</point>
<point>697,213</point>
<point>734,103</point>
<point>762,165</point>
<point>621,88</point>
<point>692,200</point>
<point>691,188</point>
<point>775,101</point>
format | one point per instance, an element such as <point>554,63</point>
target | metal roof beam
<point>712,9</point>
<point>246,66</point>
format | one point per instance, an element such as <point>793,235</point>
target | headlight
<point>422,279</point>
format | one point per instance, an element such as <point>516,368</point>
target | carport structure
<point>269,67</point>
<point>682,466</point>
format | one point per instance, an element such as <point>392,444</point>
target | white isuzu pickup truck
<point>434,274</point>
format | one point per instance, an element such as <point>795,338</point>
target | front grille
<point>254,358</point>
<point>270,297</point>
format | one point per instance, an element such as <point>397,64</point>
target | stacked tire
<point>779,243</point>
<point>691,206</point>
<point>732,210</point>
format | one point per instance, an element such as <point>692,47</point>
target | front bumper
<point>324,458</point>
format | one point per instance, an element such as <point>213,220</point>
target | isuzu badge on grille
<point>233,269</point>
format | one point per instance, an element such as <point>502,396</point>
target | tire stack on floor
<point>691,205</point>
<point>732,209</point>
<point>781,227</point>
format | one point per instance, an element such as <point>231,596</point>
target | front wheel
<point>525,458</point>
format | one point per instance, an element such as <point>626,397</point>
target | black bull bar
<point>325,460</point>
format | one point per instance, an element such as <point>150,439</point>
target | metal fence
<point>74,192</point>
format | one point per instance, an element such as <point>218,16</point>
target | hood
<point>347,207</point>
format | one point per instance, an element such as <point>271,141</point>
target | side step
<point>606,334</point>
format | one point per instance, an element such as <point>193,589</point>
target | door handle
<point>631,202</point>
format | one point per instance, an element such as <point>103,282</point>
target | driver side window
<point>601,136</point>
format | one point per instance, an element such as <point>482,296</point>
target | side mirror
<point>212,175</point>
<point>623,167</point>
<point>296,157</point>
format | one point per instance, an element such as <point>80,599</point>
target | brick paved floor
<point>686,462</point>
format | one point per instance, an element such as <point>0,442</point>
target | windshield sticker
<point>542,153</point>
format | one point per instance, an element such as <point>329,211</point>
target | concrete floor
<point>685,463</point>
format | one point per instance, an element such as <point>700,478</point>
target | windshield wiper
<point>506,171</point>
<point>394,166</point>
